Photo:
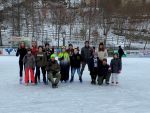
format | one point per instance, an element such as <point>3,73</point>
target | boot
<point>80,79</point>
<point>71,80</point>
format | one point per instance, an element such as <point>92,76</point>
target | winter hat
<point>52,56</point>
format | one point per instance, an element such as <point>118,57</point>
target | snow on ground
<point>132,95</point>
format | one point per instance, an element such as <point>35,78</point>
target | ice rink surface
<point>132,95</point>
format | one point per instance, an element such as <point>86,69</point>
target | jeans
<point>73,70</point>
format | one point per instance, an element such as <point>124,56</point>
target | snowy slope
<point>131,96</point>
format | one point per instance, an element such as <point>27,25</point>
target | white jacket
<point>102,54</point>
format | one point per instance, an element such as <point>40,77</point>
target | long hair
<point>101,49</point>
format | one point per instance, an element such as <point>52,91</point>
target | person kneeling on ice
<point>29,62</point>
<point>103,72</point>
<point>94,63</point>
<point>75,61</point>
<point>116,67</point>
<point>53,70</point>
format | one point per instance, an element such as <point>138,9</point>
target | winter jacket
<point>64,58</point>
<point>91,63</point>
<point>75,60</point>
<point>102,54</point>
<point>103,70</point>
<point>53,67</point>
<point>48,53</point>
<point>121,52</point>
<point>21,52</point>
<point>41,59</point>
<point>86,53</point>
<point>115,65</point>
<point>29,61</point>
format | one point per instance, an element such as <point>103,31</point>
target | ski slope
<point>132,95</point>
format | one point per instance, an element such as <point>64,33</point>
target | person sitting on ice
<point>53,70</point>
<point>116,67</point>
<point>29,62</point>
<point>103,72</point>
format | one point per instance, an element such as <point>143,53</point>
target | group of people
<point>69,59</point>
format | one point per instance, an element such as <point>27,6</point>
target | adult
<point>41,62</point>
<point>120,52</point>
<point>86,53</point>
<point>21,52</point>
<point>102,52</point>
<point>64,64</point>
<point>34,48</point>
<point>48,51</point>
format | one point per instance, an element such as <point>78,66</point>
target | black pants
<point>21,67</point>
<point>83,66</point>
<point>37,75</point>
<point>94,74</point>
<point>64,72</point>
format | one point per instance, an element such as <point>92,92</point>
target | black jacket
<point>48,53</point>
<point>75,60</point>
<point>21,52</point>
<point>86,53</point>
<point>91,63</point>
<point>121,52</point>
<point>115,65</point>
<point>103,70</point>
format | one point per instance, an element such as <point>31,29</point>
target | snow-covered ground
<point>132,95</point>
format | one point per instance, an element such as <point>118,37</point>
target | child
<point>53,70</point>
<point>116,67</point>
<point>64,64</point>
<point>29,62</point>
<point>103,72</point>
<point>93,67</point>
<point>41,62</point>
<point>75,61</point>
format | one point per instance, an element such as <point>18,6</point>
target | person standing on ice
<point>75,61</point>
<point>53,70</point>
<point>64,64</point>
<point>29,62</point>
<point>94,63</point>
<point>102,52</point>
<point>41,62</point>
<point>86,53</point>
<point>116,67</point>
<point>121,52</point>
<point>21,52</point>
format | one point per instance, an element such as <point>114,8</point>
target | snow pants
<point>27,70</point>
<point>64,71</point>
<point>51,77</point>
<point>114,77</point>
